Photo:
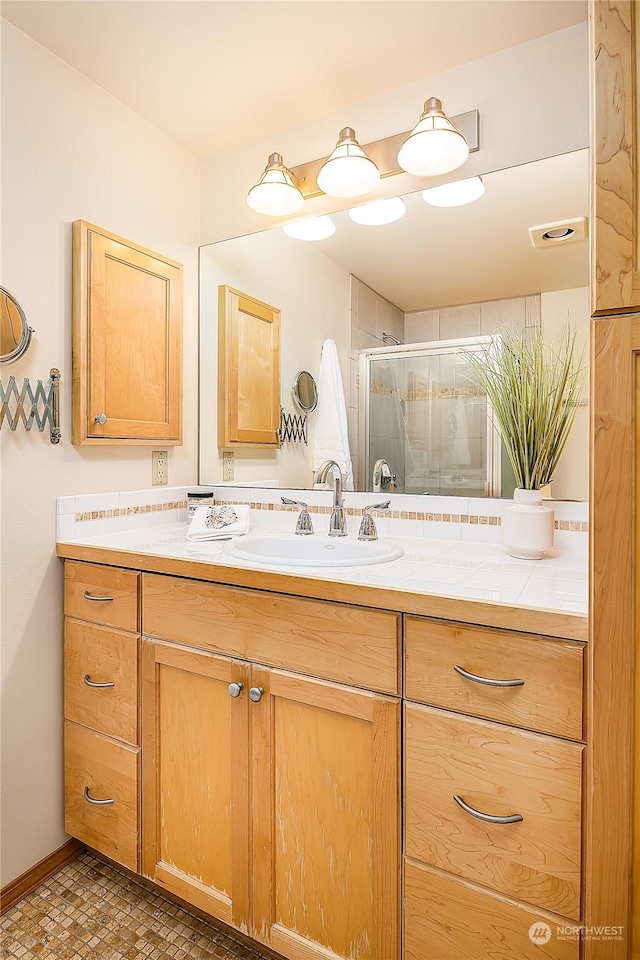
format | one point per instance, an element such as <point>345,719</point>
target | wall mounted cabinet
<point>127,342</point>
<point>248,371</point>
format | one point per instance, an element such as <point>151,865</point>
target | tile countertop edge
<point>563,625</point>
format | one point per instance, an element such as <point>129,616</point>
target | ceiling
<point>217,74</point>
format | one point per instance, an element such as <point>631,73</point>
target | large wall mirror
<point>391,296</point>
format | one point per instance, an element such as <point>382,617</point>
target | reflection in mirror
<point>15,332</point>
<point>305,392</point>
<point>436,275</point>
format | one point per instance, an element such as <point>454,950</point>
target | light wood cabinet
<point>102,753</point>
<point>451,920</point>
<point>195,778</point>
<point>615,217</point>
<point>248,371</point>
<point>127,342</point>
<point>493,827</point>
<point>277,810</point>
<point>612,813</point>
<point>471,670</point>
<point>326,838</point>
<point>270,750</point>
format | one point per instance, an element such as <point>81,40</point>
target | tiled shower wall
<point>471,319</point>
<point>370,315</point>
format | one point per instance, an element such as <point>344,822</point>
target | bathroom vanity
<point>335,769</point>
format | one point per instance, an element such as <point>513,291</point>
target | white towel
<point>198,529</point>
<point>331,440</point>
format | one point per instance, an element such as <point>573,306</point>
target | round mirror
<point>15,332</point>
<point>305,392</point>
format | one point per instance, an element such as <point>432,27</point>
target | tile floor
<point>92,910</point>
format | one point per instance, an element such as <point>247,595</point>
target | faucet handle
<point>367,527</point>
<point>304,527</point>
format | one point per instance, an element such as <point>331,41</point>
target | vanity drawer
<point>107,770</point>
<point>94,656</point>
<point>498,771</point>
<point>101,594</point>
<point>449,919</point>
<point>334,641</point>
<point>549,699</point>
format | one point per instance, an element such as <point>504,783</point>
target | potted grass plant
<point>533,388</point>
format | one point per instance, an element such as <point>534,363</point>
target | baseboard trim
<point>41,871</point>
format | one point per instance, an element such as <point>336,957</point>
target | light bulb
<point>379,212</point>
<point>454,194</point>
<point>311,228</point>
<point>275,193</point>
<point>348,172</point>
<point>434,146</point>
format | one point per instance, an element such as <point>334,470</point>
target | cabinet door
<point>615,216</point>
<point>248,371</point>
<point>127,341</point>
<point>325,819</point>
<point>195,779</point>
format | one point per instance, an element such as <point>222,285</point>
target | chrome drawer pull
<point>487,817</point>
<point>487,681</point>
<point>98,803</point>
<point>255,694</point>
<point>92,683</point>
<point>89,596</point>
<point>235,689</point>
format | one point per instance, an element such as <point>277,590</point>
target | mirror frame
<point>27,332</point>
<point>295,389</point>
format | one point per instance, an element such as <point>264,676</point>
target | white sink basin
<point>312,551</point>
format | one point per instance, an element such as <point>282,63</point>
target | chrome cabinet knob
<point>255,694</point>
<point>235,689</point>
<point>101,418</point>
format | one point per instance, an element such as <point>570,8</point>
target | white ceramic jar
<point>527,525</point>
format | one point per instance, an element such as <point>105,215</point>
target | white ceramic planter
<point>527,526</point>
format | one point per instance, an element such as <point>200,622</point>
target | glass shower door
<point>428,420</point>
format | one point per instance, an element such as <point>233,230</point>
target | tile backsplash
<point>444,518</point>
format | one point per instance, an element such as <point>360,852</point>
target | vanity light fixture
<point>454,194</point>
<point>379,212</point>
<point>275,194</point>
<point>348,171</point>
<point>434,146</point>
<point>311,228</point>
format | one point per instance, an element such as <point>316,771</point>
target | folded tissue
<point>219,522</point>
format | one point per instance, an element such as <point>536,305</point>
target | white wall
<point>312,293</point>
<point>533,101</point>
<point>69,151</point>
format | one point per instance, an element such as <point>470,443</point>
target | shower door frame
<point>493,481</point>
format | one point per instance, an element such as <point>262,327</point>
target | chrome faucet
<point>338,521</point>
<point>304,527</point>
<point>382,476</point>
<point>367,527</point>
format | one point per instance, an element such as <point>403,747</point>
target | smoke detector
<point>564,231</point>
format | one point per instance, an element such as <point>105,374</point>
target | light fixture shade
<point>311,228</point>
<point>379,212</point>
<point>275,193</point>
<point>348,172</point>
<point>434,146</point>
<point>454,194</point>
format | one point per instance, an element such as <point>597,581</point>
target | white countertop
<point>463,570</point>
